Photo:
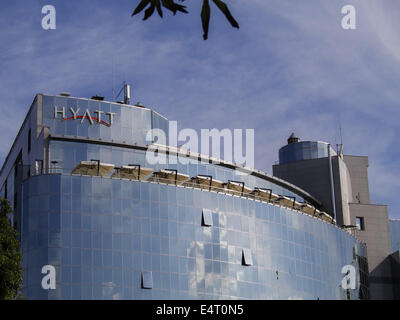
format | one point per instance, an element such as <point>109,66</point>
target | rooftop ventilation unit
<point>293,139</point>
<point>98,98</point>
<point>65,94</point>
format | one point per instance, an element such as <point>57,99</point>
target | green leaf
<point>149,12</point>
<point>225,10</point>
<point>172,6</point>
<point>158,6</point>
<point>205,18</point>
<point>140,7</point>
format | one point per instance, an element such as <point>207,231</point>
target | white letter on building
<point>56,112</point>
<point>111,117</point>
<point>49,280</point>
<point>99,113</point>
<point>87,116</point>
<point>74,113</point>
<point>49,21</point>
<point>349,20</point>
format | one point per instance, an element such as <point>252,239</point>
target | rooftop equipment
<point>98,98</point>
<point>127,93</point>
<point>236,187</point>
<point>205,182</point>
<point>293,139</point>
<point>132,172</point>
<point>264,194</point>
<point>93,168</point>
<point>287,201</point>
<point>169,176</point>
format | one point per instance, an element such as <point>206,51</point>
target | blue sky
<point>290,67</point>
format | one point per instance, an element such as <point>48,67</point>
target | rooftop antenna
<point>341,136</point>
<point>113,78</point>
<point>127,93</point>
<point>340,146</point>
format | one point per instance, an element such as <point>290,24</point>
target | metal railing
<point>28,171</point>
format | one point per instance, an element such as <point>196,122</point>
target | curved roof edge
<point>183,152</point>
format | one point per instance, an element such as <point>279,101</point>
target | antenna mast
<point>340,150</point>
<point>127,93</point>
<point>113,79</point>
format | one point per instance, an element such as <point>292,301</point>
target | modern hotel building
<point>88,204</point>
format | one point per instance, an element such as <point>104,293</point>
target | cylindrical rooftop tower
<point>297,150</point>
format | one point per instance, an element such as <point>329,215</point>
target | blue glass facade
<point>101,234</point>
<point>129,124</point>
<point>69,153</point>
<point>304,150</point>
<point>106,235</point>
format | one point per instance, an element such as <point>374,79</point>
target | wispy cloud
<point>291,67</point>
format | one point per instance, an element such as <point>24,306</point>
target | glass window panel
<point>207,218</point>
<point>360,223</point>
<point>247,257</point>
<point>147,280</point>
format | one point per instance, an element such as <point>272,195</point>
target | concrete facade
<point>376,224</point>
<point>352,201</point>
<point>314,177</point>
<point>311,175</point>
<point>343,191</point>
<point>358,169</point>
<point>377,238</point>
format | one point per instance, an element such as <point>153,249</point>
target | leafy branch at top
<point>171,5</point>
